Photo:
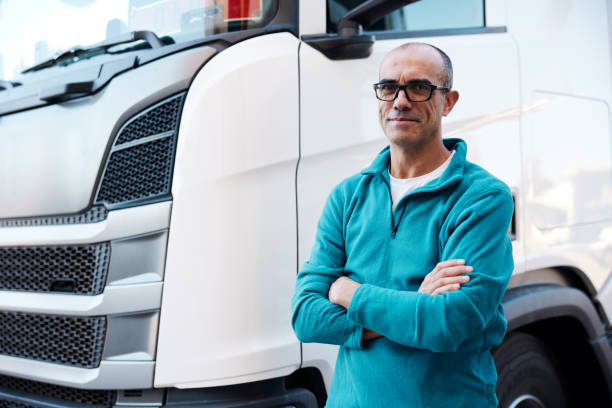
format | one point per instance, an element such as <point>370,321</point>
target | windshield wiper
<point>78,53</point>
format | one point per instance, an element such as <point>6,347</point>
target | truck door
<point>339,130</point>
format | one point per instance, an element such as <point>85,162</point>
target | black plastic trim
<point>63,92</point>
<point>368,13</point>
<point>389,35</point>
<point>533,302</point>
<point>537,302</point>
<point>337,47</point>
<point>260,394</point>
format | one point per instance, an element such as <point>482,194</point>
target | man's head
<point>407,123</point>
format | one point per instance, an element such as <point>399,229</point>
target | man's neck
<point>417,161</point>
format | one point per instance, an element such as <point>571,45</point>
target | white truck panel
<point>565,132</point>
<point>67,141</point>
<point>115,299</point>
<point>495,13</point>
<point>231,262</point>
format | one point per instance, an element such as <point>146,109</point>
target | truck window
<point>425,15</point>
<point>31,35</point>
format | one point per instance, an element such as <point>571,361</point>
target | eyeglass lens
<point>417,92</point>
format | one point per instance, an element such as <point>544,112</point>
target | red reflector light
<point>241,9</point>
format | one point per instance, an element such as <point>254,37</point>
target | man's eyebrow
<point>412,81</point>
<point>419,81</point>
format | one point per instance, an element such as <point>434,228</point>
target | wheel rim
<point>527,401</point>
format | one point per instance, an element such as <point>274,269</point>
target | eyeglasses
<point>417,91</point>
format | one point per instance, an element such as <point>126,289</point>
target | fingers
<point>446,288</point>
<point>455,270</point>
<point>450,268</point>
<point>451,283</point>
<point>447,276</point>
<point>452,280</point>
<point>450,262</point>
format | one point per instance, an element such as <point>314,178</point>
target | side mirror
<point>350,43</point>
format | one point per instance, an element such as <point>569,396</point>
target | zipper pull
<point>393,232</point>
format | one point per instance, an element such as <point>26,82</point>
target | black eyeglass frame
<point>404,87</point>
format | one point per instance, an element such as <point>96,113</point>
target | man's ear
<point>450,99</point>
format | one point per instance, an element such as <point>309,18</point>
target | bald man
<point>411,258</point>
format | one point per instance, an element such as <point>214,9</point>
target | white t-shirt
<point>401,187</point>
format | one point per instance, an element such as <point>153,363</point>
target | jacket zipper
<point>394,226</point>
<point>394,230</point>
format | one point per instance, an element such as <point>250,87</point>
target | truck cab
<point>161,185</point>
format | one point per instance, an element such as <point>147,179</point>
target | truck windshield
<point>34,32</point>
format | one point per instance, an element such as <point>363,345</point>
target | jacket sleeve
<point>314,317</point>
<point>479,234</point>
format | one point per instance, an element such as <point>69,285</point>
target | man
<point>388,275</point>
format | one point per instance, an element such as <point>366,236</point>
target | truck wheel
<point>526,374</point>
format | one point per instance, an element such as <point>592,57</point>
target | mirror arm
<point>366,14</point>
<point>350,42</point>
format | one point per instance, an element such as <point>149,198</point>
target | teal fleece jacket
<point>436,349</point>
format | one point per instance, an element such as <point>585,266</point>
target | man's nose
<point>401,102</point>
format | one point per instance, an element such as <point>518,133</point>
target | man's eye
<point>388,87</point>
<point>419,87</point>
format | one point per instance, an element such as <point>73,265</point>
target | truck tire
<point>527,376</point>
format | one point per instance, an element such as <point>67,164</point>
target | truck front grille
<point>139,166</point>
<point>74,341</point>
<point>138,172</point>
<point>160,119</point>
<point>13,404</point>
<point>78,269</point>
<point>36,390</point>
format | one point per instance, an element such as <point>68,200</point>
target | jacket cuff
<point>355,307</point>
<point>354,340</point>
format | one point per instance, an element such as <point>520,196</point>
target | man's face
<point>408,123</point>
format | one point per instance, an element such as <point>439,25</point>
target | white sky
<point>25,22</point>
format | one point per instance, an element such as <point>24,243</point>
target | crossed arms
<point>446,276</point>
<point>438,317</point>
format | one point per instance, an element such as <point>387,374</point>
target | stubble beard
<point>414,139</point>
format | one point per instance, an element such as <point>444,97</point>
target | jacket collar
<point>452,175</point>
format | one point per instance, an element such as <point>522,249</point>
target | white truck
<point>160,189</point>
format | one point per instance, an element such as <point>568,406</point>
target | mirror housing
<point>350,43</point>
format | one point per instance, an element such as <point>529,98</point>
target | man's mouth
<point>403,119</point>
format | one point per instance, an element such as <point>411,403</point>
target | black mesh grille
<point>160,119</point>
<point>13,404</point>
<point>94,214</point>
<point>75,341</point>
<point>98,398</point>
<point>139,172</point>
<point>78,269</point>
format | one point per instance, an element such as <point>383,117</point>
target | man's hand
<point>342,290</point>
<point>369,335</point>
<point>446,277</point>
